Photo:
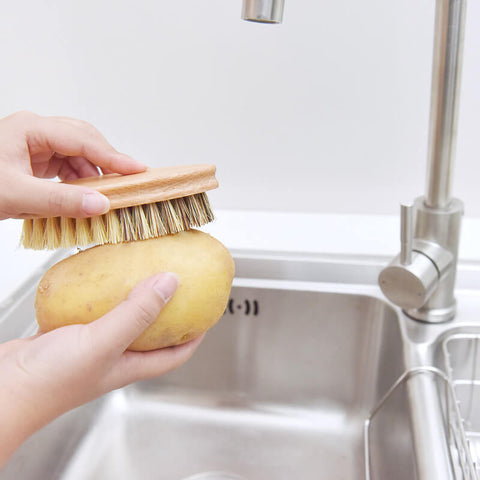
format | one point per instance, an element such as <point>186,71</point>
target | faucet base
<point>441,226</point>
<point>435,315</point>
<point>424,286</point>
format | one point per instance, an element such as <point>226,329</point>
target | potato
<point>89,284</point>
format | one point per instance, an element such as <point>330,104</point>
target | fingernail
<point>166,284</point>
<point>95,203</point>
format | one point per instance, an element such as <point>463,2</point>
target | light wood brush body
<point>159,201</point>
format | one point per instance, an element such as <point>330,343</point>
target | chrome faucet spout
<point>263,11</point>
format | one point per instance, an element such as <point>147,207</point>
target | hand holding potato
<point>51,373</point>
<point>91,348</point>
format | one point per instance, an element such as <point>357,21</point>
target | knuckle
<point>55,200</point>
<point>88,343</point>
<point>63,202</point>
<point>22,363</point>
<point>144,313</point>
<point>21,120</point>
<point>91,139</point>
<point>24,116</point>
<point>88,128</point>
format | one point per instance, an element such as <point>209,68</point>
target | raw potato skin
<point>89,284</point>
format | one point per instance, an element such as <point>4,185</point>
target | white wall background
<point>327,112</point>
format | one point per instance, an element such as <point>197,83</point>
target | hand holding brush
<point>36,148</point>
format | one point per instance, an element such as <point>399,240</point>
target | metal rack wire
<point>463,445</point>
<point>462,363</point>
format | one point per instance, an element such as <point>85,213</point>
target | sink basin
<point>304,377</point>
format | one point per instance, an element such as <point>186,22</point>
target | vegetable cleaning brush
<point>159,201</point>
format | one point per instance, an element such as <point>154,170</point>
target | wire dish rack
<point>460,423</point>
<point>462,358</point>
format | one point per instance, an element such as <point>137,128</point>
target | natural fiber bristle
<point>112,223</point>
<point>52,233</point>
<point>67,232</point>
<point>99,230</point>
<point>122,225</point>
<point>83,232</point>
<point>27,233</point>
<point>38,233</point>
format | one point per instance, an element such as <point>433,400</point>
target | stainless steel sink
<point>310,374</point>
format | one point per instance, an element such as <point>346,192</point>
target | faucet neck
<point>447,58</point>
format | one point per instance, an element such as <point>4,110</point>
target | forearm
<point>44,376</point>
<point>24,406</point>
<point>17,422</point>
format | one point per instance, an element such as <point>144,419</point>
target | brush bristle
<point>67,232</point>
<point>123,225</point>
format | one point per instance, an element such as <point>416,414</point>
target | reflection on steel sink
<point>281,387</point>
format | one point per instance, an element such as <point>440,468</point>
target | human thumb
<point>46,198</point>
<point>131,317</point>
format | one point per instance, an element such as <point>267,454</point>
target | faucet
<point>421,279</point>
<point>263,11</point>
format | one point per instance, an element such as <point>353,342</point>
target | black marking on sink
<point>248,307</point>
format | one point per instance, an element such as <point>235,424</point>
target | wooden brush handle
<point>153,185</point>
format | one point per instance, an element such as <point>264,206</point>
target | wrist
<point>22,411</point>
<point>17,422</point>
